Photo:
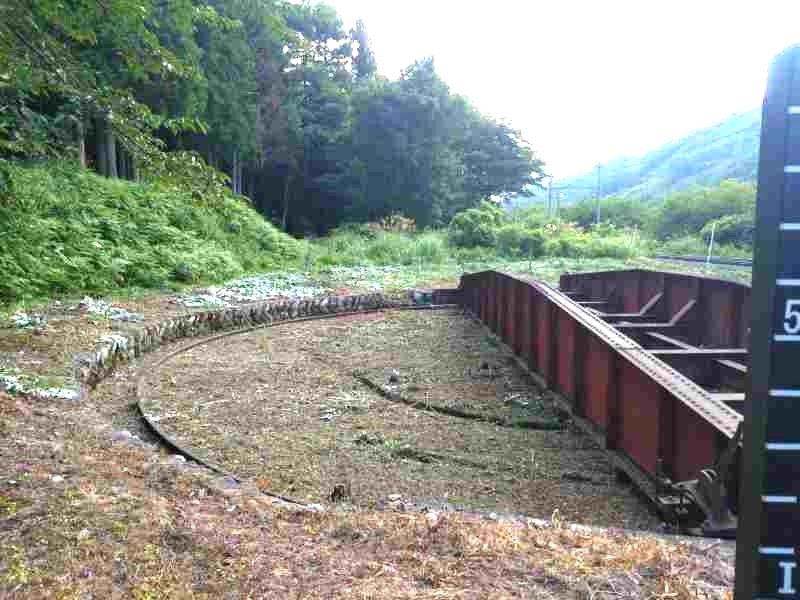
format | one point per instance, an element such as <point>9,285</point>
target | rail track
<point>715,260</point>
<point>652,365</point>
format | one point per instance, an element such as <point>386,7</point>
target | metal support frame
<point>568,338</point>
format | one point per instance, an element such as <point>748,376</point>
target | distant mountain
<point>728,150</point>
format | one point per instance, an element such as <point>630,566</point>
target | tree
<point>364,65</point>
<point>424,152</point>
<point>498,161</point>
<point>78,65</point>
<point>686,213</point>
<point>274,94</point>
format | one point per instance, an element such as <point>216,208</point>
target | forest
<point>272,100</point>
<point>153,144</point>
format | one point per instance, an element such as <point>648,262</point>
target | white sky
<point>589,80</point>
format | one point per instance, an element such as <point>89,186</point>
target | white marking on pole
<point>791,169</point>
<point>787,338</point>
<point>782,446</point>
<point>785,393</point>
<point>788,282</point>
<point>787,587</point>
<point>790,226</point>
<point>793,110</point>
<point>776,551</point>
<point>779,499</point>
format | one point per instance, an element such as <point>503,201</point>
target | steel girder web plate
<point>717,413</point>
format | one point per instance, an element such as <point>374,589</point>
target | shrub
<point>686,213</point>
<point>476,226</point>
<point>391,249</point>
<point>363,230</point>
<point>622,247</point>
<point>533,216</point>
<point>695,246</point>
<point>183,272</point>
<point>519,240</point>
<point>343,247</point>
<point>737,230</point>
<point>621,212</point>
<point>397,223</point>
<point>564,239</point>
<point>432,248</point>
<point>602,241</point>
<point>476,255</point>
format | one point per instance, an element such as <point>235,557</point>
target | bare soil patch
<point>282,407</point>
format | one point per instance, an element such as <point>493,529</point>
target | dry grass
<point>282,407</point>
<point>84,518</point>
<point>49,352</point>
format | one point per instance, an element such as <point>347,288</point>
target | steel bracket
<point>710,492</point>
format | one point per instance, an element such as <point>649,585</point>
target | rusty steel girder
<point>652,365</point>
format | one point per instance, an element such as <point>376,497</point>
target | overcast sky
<point>589,80</point>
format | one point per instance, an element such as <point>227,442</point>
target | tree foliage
<point>687,213</point>
<point>274,98</point>
<point>477,226</point>
<point>622,212</point>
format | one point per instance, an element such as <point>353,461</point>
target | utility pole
<point>597,198</point>
<point>550,196</point>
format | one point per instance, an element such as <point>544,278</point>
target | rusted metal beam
<point>669,340</point>
<point>735,398</point>
<point>646,411</point>
<point>641,314</point>
<point>673,324</point>
<point>729,367</point>
<point>645,327</point>
<point>707,353</point>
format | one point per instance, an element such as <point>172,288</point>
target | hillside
<point>66,230</point>
<point>727,150</point>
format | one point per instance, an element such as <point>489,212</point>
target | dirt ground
<point>91,507</point>
<point>294,409</point>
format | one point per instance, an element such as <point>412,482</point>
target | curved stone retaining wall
<point>114,349</point>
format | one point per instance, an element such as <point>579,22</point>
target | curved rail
<point>191,453</point>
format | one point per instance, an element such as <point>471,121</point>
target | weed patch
<point>66,230</point>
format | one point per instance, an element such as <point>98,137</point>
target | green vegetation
<point>208,120</point>
<point>274,98</point>
<point>728,150</point>
<point>68,231</point>
<point>683,222</point>
<point>623,212</point>
<point>528,233</point>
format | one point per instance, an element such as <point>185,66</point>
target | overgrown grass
<point>351,249</point>
<point>695,246</point>
<point>65,230</point>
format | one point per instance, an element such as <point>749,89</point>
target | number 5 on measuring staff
<point>791,323</point>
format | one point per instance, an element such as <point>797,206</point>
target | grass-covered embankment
<point>65,230</point>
